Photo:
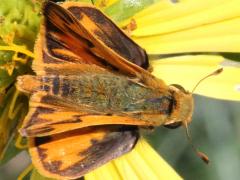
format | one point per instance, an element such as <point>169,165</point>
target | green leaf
<point>11,152</point>
<point>26,173</point>
<point>20,19</point>
<point>5,56</point>
<point>122,10</point>
<point>13,109</point>
<point>232,56</point>
<point>5,79</point>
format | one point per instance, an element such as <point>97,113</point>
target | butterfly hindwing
<point>74,153</point>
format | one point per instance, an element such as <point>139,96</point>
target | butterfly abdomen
<point>52,85</point>
<point>28,84</point>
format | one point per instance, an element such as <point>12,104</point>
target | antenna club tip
<point>204,157</point>
<point>218,71</point>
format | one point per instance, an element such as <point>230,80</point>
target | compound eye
<point>173,125</point>
<point>180,88</point>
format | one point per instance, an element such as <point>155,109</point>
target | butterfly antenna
<point>200,154</point>
<point>218,71</point>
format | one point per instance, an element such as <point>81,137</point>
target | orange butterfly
<point>91,93</point>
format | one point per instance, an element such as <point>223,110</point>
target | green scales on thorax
<point>108,93</point>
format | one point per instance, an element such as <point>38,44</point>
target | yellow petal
<point>107,171</point>
<point>141,163</point>
<point>221,37</point>
<point>186,15</point>
<point>190,26</point>
<point>188,70</point>
<point>147,13</point>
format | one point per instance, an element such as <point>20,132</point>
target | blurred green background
<point>215,130</point>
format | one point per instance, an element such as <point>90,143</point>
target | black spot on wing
<point>65,87</point>
<point>42,130</point>
<point>56,85</point>
<point>78,120</point>
<point>41,140</point>
<point>46,87</point>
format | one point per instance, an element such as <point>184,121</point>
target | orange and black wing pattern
<point>81,34</point>
<point>68,140</point>
<point>72,154</point>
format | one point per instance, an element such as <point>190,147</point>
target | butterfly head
<point>182,107</point>
<point>183,103</point>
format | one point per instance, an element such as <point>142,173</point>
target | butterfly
<point>91,93</point>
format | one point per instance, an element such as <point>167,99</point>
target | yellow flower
<point>192,39</point>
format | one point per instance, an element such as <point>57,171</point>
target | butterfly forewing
<point>88,39</point>
<point>111,35</point>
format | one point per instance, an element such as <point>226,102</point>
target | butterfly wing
<point>110,36</point>
<point>74,153</point>
<point>85,35</point>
